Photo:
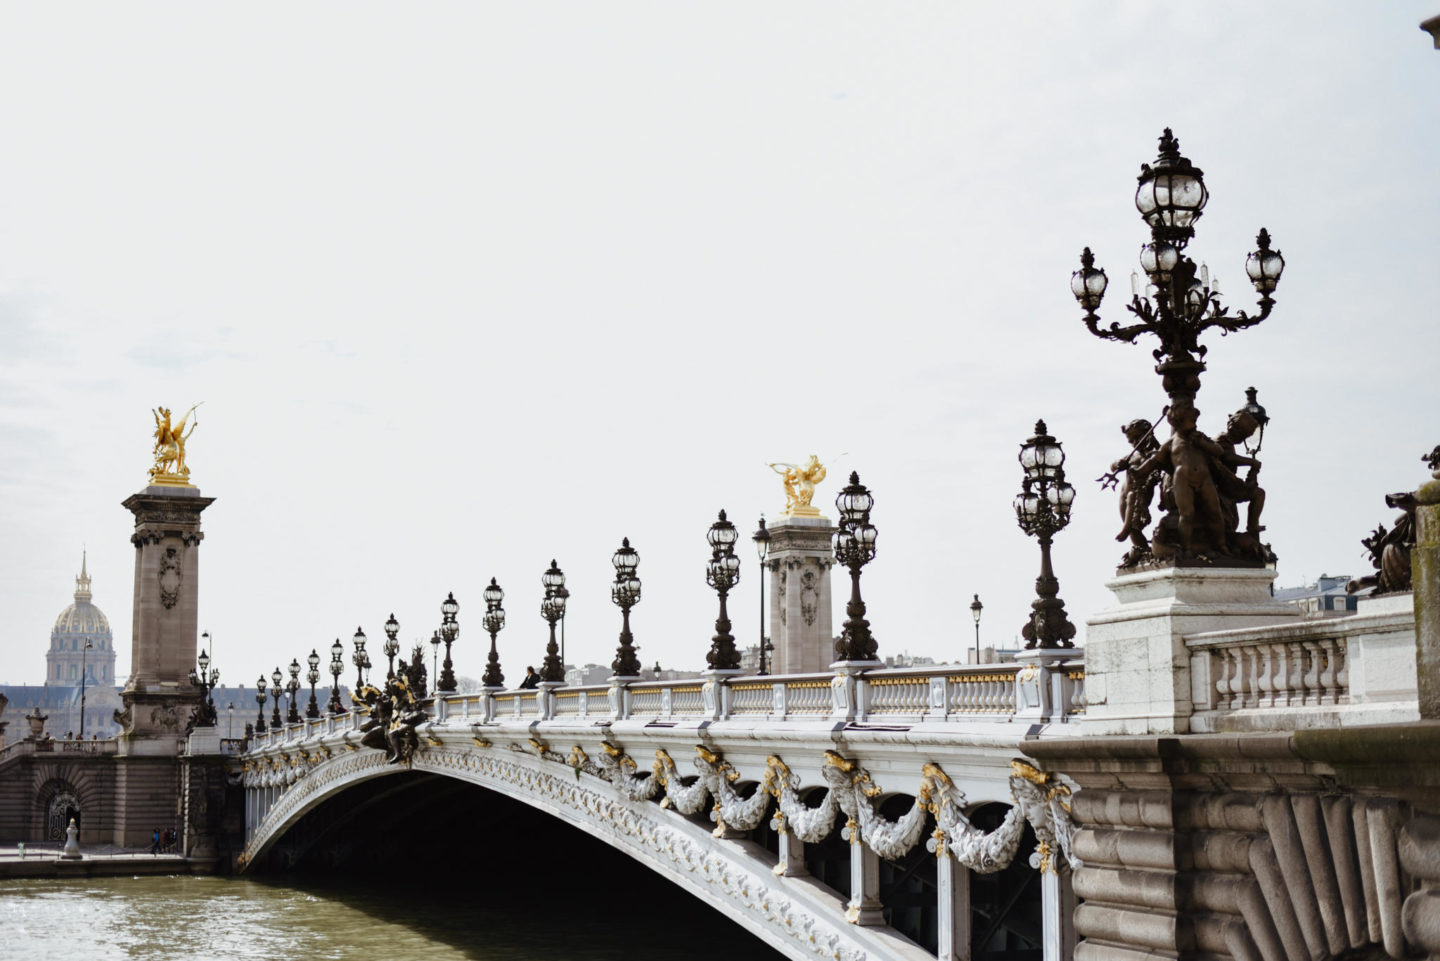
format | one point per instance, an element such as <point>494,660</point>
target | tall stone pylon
<point>158,695</point>
<point>799,559</point>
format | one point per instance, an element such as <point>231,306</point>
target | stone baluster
<point>1328,686</point>
<point>1310,681</point>
<point>1342,671</point>
<point>1224,670</point>
<point>1265,681</point>
<point>1249,676</point>
<point>1284,669</point>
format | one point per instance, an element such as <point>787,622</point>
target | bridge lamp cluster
<point>625,592</point>
<point>359,658</point>
<point>494,621</point>
<point>722,573</point>
<point>552,609</point>
<point>292,687</point>
<point>337,667</point>
<point>312,710</point>
<point>1042,508</point>
<point>854,544</point>
<point>391,647</point>
<point>449,630</point>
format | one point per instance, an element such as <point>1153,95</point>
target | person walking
<point>155,842</point>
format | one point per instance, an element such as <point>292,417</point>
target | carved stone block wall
<point>1265,847</point>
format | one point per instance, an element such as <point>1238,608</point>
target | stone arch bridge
<point>729,787</point>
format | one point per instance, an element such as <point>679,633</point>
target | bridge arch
<point>799,916</point>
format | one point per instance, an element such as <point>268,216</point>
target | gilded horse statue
<point>170,445</point>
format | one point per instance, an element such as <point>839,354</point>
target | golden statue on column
<point>170,469</point>
<point>800,481</point>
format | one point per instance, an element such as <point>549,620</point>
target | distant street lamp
<point>276,690</point>
<point>552,609</point>
<point>494,622</point>
<point>360,659</point>
<point>761,538</point>
<point>722,573</point>
<point>391,647</point>
<point>1043,509</point>
<point>293,686</point>
<point>337,665</point>
<point>854,543</point>
<point>312,710</point>
<point>625,592</point>
<point>449,630</point>
<point>260,699</point>
<point>435,658</point>
<point>230,721</point>
<point>975,608</point>
<point>88,645</point>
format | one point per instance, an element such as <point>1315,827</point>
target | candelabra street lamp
<point>337,666</point>
<point>722,573</point>
<point>552,609</point>
<point>975,608</point>
<point>260,699</point>
<point>391,647</point>
<point>276,689</point>
<point>625,592</point>
<point>205,679</point>
<point>494,622</point>
<point>761,538</point>
<point>1177,303</point>
<point>854,543</point>
<point>292,716</point>
<point>359,658</point>
<point>449,630</point>
<point>563,593</point>
<point>312,709</point>
<point>1042,509</point>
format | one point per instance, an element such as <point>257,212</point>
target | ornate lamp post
<point>449,630</point>
<point>854,543</point>
<point>1043,508</point>
<point>205,679</point>
<point>435,657</point>
<point>1178,304</point>
<point>722,573</point>
<point>337,665</point>
<point>312,709</point>
<point>975,608</point>
<point>625,592</point>
<point>761,538</point>
<point>88,646</point>
<point>276,689</point>
<point>391,647</point>
<point>260,699</point>
<point>359,658</point>
<point>552,608</point>
<point>494,622</point>
<point>293,686</point>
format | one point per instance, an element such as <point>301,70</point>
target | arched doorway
<point>62,808</point>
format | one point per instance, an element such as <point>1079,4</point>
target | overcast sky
<point>465,287</point>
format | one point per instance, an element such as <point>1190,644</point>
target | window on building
<point>72,672</point>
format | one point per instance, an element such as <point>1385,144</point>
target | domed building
<point>81,641</point>
<point>81,644</point>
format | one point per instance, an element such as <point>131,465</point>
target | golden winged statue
<point>169,450</point>
<point>800,481</point>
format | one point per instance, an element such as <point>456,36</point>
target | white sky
<point>465,287</point>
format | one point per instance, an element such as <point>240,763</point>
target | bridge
<point>721,784</point>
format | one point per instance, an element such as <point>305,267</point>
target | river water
<point>394,917</point>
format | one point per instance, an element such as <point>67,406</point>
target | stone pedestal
<point>799,562</point>
<point>1137,669</point>
<point>158,696</point>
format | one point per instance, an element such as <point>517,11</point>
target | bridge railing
<point>1044,691</point>
<point>1313,673</point>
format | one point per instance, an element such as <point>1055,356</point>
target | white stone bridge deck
<point>755,753</point>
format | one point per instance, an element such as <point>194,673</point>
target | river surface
<point>394,917</point>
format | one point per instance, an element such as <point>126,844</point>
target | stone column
<point>952,890</point>
<point>1057,909</point>
<point>799,560</point>
<point>158,695</point>
<point>1137,668</point>
<point>865,908</point>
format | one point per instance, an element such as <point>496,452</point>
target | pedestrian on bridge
<point>155,842</point>
<point>532,680</point>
